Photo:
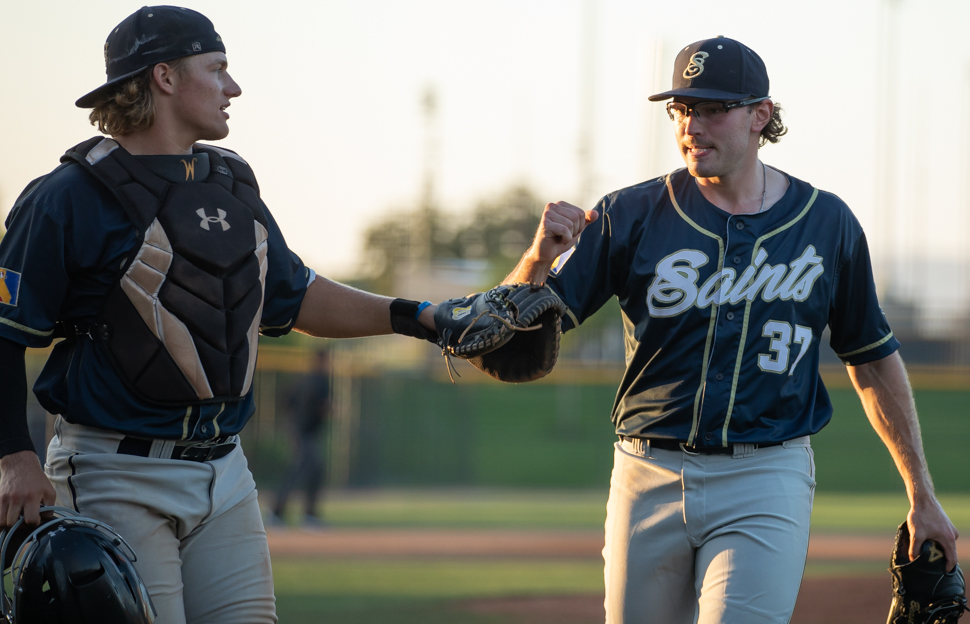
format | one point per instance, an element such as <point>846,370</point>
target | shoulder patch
<point>558,264</point>
<point>9,287</point>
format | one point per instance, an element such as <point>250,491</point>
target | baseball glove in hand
<point>923,591</point>
<point>510,333</point>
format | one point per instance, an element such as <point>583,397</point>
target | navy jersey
<point>723,313</point>
<point>67,240</point>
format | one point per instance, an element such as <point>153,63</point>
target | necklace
<point>764,187</point>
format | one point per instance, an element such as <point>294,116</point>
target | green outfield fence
<point>398,420</point>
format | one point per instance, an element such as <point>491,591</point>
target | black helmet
<point>70,569</point>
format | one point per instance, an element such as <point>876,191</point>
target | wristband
<point>421,309</point>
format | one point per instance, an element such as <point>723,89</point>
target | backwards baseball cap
<point>152,35</point>
<point>717,69</point>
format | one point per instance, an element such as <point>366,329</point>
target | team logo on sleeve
<point>675,289</point>
<point>9,286</point>
<point>561,261</point>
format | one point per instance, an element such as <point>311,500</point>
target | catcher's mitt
<point>510,332</point>
<point>923,591</point>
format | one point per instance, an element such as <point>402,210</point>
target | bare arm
<point>887,399</point>
<point>23,485</point>
<point>334,310</point>
<point>559,229</point>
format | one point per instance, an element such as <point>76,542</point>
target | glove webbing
<point>444,351</point>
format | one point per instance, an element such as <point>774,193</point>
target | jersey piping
<point>747,313</point>
<point>24,328</point>
<point>868,347</point>
<point>698,396</point>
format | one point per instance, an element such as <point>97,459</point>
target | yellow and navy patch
<point>561,261</point>
<point>460,313</point>
<point>9,286</point>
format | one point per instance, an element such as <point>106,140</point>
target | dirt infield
<point>543,544</point>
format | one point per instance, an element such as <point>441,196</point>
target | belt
<point>677,445</point>
<point>204,451</point>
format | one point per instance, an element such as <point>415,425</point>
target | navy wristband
<point>421,308</point>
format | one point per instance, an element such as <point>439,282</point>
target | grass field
<point>407,591</point>
<point>532,467</point>
<point>355,591</point>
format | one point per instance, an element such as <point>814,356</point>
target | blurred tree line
<point>497,231</point>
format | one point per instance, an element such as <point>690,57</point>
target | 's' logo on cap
<point>696,65</point>
<point>196,46</point>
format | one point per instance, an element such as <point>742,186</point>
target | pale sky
<point>331,122</point>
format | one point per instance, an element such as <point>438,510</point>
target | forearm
<point>334,310</point>
<point>14,434</point>
<point>530,270</point>
<point>887,398</point>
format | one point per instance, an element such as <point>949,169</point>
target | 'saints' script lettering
<point>675,290</point>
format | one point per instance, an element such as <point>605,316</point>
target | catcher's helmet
<point>70,569</point>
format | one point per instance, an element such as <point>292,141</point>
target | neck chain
<point>764,187</point>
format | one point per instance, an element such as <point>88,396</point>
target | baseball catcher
<point>923,591</point>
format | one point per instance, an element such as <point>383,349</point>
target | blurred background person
<point>308,408</point>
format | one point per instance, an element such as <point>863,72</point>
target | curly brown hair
<point>774,129</point>
<point>131,106</point>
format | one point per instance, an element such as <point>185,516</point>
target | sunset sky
<point>330,115</point>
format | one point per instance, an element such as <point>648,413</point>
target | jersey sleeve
<point>860,330</point>
<point>586,276</point>
<point>287,279</point>
<point>34,257</point>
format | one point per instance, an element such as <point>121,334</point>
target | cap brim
<point>91,99</point>
<point>707,94</point>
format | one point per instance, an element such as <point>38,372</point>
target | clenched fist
<point>559,229</point>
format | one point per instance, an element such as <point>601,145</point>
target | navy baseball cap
<point>149,36</point>
<point>717,69</point>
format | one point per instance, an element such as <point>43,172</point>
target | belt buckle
<point>683,447</point>
<point>197,452</point>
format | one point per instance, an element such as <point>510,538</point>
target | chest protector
<point>182,322</point>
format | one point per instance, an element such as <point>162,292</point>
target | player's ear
<point>163,78</point>
<point>761,115</point>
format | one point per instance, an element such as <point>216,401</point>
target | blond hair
<point>131,106</point>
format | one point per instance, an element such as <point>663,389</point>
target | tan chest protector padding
<point>182,323</point>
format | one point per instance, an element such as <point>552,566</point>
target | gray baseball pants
<point>709,539</point>
<point>194,526</point>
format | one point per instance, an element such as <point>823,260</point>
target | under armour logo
<point>935,553</point>
<point>207,220</point>
<point>696,65</point>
